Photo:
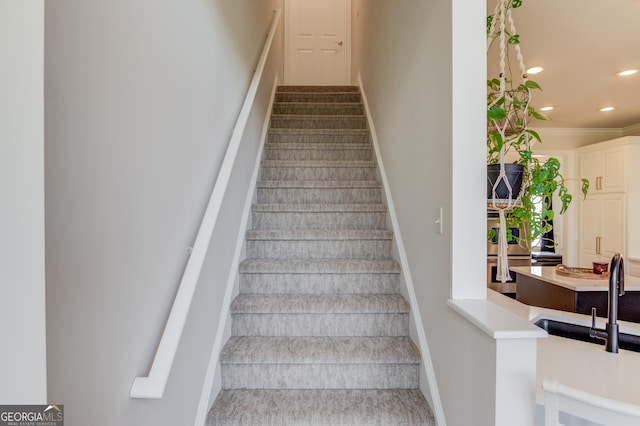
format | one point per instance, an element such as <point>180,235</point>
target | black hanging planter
<point>514,173</point>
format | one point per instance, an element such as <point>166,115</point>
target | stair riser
<point>325,249</point>
<point>318,109</point>
<point>352,98</point>
<point>318,173</point>
<point>318,325</point>
<point>327,221</point>
<point>320,376</point>
<point>318,154</point>
<point>319,283</point>
<point>312,138</point>
<point>319,123</point>
<point>319,196</point>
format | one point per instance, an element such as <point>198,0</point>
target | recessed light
<point>534,70</point>
<point>627,72</point>
<point>546,108</point>
<point>606,109</point>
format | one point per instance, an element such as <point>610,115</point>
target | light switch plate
<point>439,228</point>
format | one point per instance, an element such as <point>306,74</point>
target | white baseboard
<point>232,281</point>
<point>404,262</point>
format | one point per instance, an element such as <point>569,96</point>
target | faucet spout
<point>616,288</point>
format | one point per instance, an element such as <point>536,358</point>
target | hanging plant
<point>509,112</point>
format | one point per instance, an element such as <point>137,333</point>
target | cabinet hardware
<point>598,245</point>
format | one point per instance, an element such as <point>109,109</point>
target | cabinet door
<point>613,170</point>
<point>602,231</point>
<point>590,230</point>
<point>604,169</point>
<point>613,225</point>
<point>591,168</point>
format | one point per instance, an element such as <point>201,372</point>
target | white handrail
<point>153,386</point>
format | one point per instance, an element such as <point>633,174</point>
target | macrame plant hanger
<point>502,18</point>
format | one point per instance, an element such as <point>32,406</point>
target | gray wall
<point>141,99</point>
<point>413,79</point>
<point>22,280</point>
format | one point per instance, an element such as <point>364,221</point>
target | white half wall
<point>141,99</point>
<point>23,376</point>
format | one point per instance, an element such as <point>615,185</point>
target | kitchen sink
<point>630,342</point>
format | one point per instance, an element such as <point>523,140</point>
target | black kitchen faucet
<point>616,288</point>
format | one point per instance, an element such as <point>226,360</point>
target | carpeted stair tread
<point>321,152</point>
<point>297,216</point>
<point>342,133</point>
<point>319,235</point>
<point>319,304</point>
<point>319,208</point>
<point>317,407</point>
<point>316,89</point>
<point>318,216</point>
<point>319,121</point>
<point>324,97</point>
<point>321,350</point>
<point>338,276</point>
<point>317,146</point>
<point>317,117</point>
<point>349,266</point>
<point>320,283</point>
<point>294,171</point>
<point>318,108</point>
<point>319,136</point>
<point>319,184</point>
<point>320,191</point>
<point>316,163</point>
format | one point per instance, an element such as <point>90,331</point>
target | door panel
<point>591,223</point>
<point>317,42</point>
<point>613,169</point>
<point>613,225</point>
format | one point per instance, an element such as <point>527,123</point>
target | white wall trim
<point>207,386</point>
<point>633,130</point>
<point>568,131</point>
<point>404,262</point>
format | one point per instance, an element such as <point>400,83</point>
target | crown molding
<point>580,131</point>
<point>633,130</point>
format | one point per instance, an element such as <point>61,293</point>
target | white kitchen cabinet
<point>610,215</point>
<point>604,169</point>
<point>602,232</point>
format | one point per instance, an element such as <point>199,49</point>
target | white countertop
<point>582,365</point>
<point>549,274</point>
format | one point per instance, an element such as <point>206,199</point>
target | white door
<point>317,42</point>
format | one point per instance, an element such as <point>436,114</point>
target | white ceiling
<point>581,44</point>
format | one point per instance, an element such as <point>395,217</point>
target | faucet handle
<point>593,317</point>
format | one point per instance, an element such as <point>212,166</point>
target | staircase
<point>319,331</point>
